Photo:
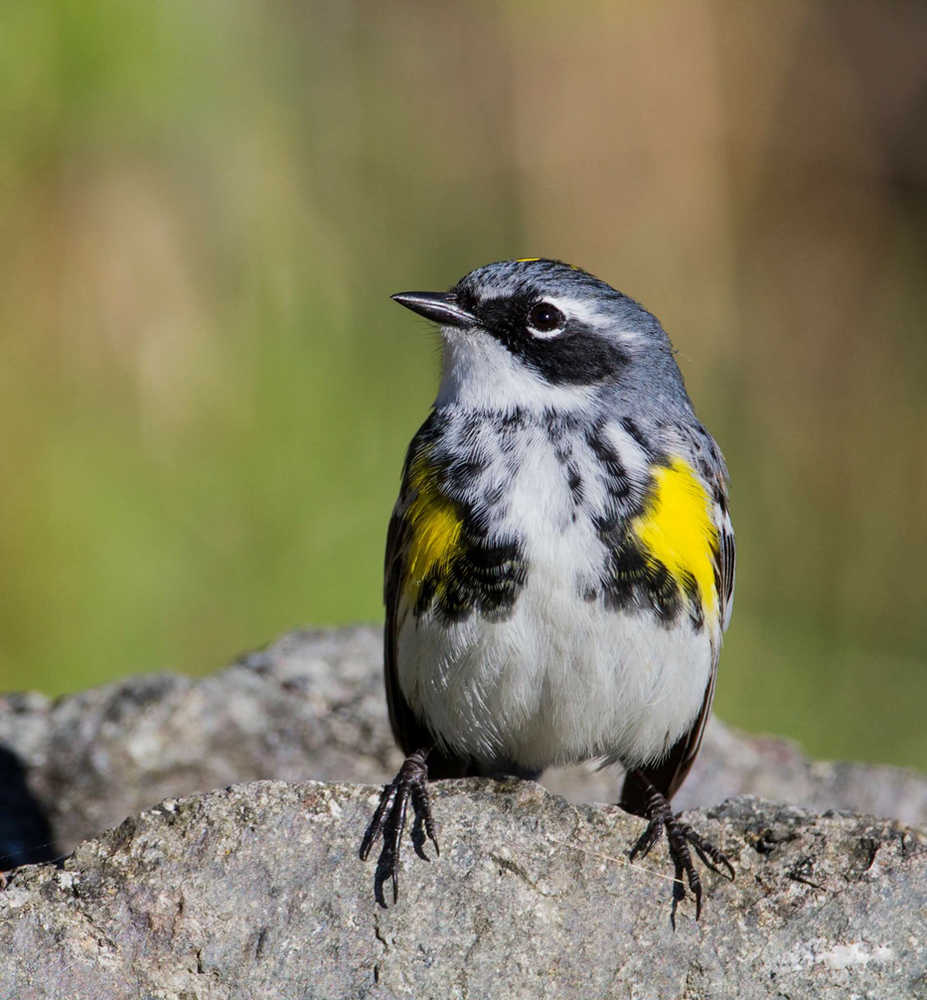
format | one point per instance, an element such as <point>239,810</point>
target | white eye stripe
<point>582,311</point>
<point>545,321</point>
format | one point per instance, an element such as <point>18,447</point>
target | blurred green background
<point>206,394</point>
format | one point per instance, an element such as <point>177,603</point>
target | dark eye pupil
<point>545,317</point>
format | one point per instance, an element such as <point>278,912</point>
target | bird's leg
<point>679,835</point>
<point>389,821</point>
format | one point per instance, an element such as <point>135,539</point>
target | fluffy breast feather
<point>561,672</point>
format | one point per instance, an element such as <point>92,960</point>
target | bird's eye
<point>544,318</point>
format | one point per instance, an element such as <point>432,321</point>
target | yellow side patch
<point>676,529</point>
<point>526,260</point>
<point>434,527</point>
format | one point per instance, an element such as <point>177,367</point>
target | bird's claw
<point>389,821</point>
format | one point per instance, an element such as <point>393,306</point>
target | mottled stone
<point>257,891</point>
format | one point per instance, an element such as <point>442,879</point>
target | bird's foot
<point>679,836</point>
<point>389,821</point>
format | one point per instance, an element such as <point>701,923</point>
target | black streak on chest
<point>488,570</point>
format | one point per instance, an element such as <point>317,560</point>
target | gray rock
<point>312,706</point>
<point>256,891</point>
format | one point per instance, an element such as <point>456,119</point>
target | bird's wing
<point>408,731</point>
<point>422,542</point>
<point>671,772</point>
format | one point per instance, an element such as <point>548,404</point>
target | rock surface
<point>312,706</point>
<point>256,891</point>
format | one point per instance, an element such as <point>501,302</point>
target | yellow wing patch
<point>434,526</point>
<point>676,529</point>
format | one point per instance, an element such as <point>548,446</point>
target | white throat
<point>477,372</point>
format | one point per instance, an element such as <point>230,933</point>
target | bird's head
<point>538,334</point>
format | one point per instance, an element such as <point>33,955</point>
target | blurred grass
<point>206,394</point>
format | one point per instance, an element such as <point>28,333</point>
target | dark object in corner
<point>25,833</point>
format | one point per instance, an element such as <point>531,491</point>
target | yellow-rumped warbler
<point>560,561</point>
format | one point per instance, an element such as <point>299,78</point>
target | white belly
<point>561,681</point>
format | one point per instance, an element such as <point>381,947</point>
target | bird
<point>560,560</point>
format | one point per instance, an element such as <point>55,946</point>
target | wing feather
<point>408,731</point>
<point>671,772</point>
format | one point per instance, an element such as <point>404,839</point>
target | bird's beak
<point>441,307</point>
